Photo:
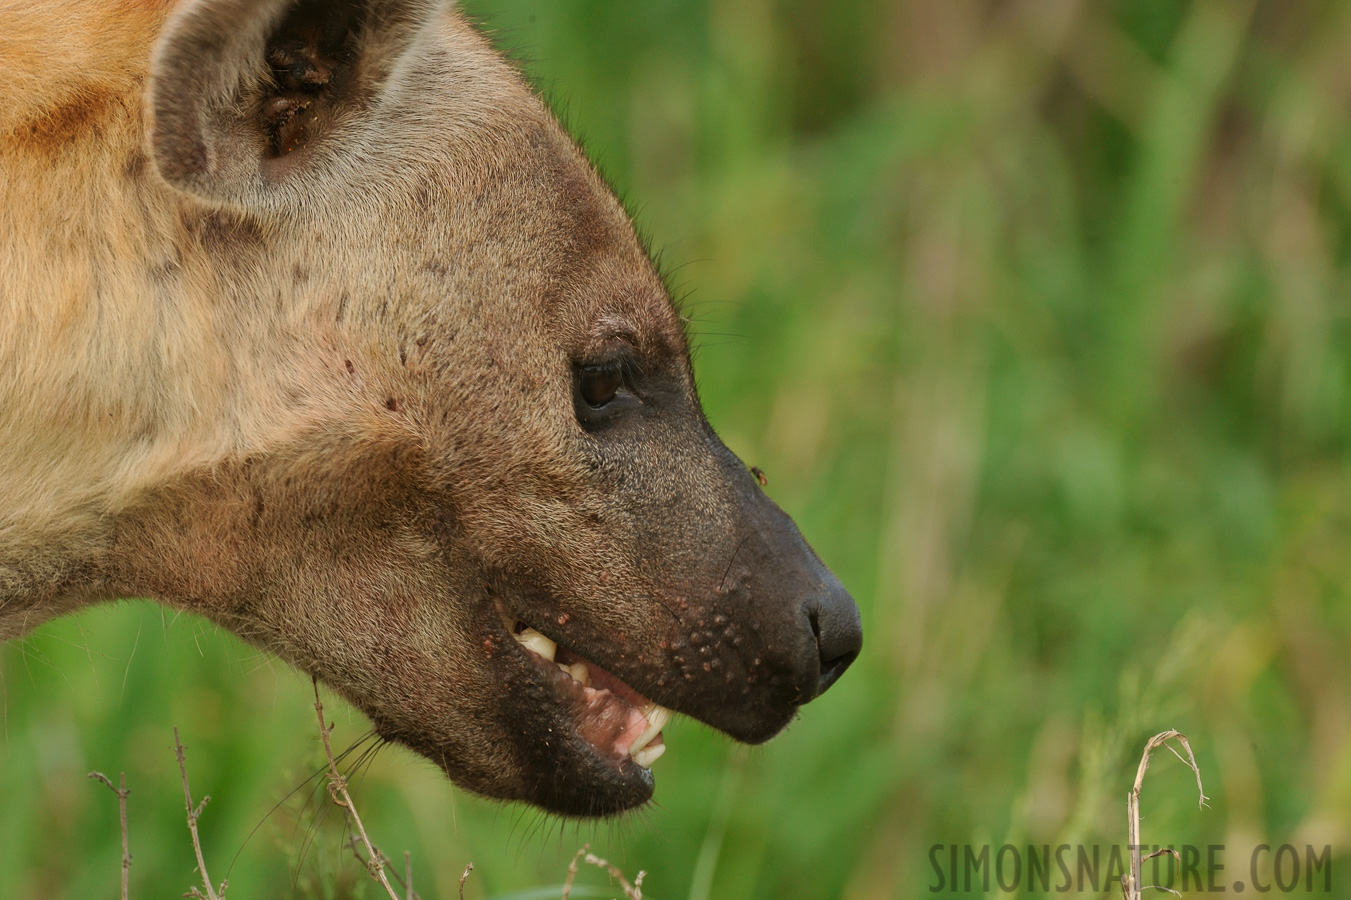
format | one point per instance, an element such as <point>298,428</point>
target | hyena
<point>314,322</point>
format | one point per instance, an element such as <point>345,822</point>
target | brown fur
<point>293,299</point>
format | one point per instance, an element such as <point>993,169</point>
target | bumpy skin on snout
<point>317,324</point>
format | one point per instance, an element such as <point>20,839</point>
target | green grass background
<point>1036,315</point>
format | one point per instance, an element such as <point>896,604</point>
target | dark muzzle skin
<point>801,626</point>
<point>756,629</point>
<point>719,609</point>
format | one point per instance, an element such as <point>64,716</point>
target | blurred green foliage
<point>1035,313</point>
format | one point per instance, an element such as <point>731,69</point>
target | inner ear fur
<point>311,58</point>
<point>250,99</point>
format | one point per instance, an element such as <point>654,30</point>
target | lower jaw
<point>575,783</point>
<point>606,793</point>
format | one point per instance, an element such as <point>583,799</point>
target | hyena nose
<point>835,625</point>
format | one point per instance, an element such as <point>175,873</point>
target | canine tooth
<point>657,717</point>
<point>577,672</point>
<point>648,755</point>
<point>538,642</point>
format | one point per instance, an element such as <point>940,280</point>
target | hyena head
<point>470,487</point>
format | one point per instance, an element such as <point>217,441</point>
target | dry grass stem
<point>193,815</point>
<point>464,875</point>
<point>632,891</point>
<point>1131,888</point>
<point>375,861</point>
<point>355,844</point>
<point>572,871</point>
<point>121,792</point>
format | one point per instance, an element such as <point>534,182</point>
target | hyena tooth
<point>538,642</point>
<point>657,717</point>
<point>579,673</point>
<point>648,755</point>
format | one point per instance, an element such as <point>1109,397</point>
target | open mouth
<point>615,720</point>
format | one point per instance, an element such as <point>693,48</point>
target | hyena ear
<point>257,103</point>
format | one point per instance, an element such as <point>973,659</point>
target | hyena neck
<point>58,354</point>
<point>127,358</point>
<point>86,345</point>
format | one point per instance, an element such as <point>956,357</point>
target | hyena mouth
<point>618,722</point>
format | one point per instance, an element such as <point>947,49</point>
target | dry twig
<point>632,891</point>
<point>464,875</point>
<point>405,881</point>
<point>1130,882</point>
<point>193,815</point>
<point>375,861</point>
<point>572,871</point>
<point>121,793</point>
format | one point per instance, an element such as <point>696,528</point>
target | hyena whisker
<point>315,783</point>
<point>126,670</point>
<point>367,744</point>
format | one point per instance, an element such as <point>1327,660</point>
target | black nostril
<point>834,622</point>
<point>832,669</point>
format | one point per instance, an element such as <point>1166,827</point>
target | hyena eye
<point>601,392</point>
<point>599,385</point>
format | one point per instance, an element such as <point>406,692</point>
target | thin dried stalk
<point>1131,888</point>
<point>632,891</point>
<point>463,875</point>
<point>572,871</point>
<point>337,789</point>
<point>121,793</point>
<point>193,815</point>
<point>405,881</point>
